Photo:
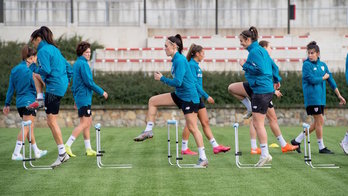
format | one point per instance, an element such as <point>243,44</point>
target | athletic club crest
<point>316,109</point>
<point>172,71</point>
<point>322,68</point>
<point>38,63</point>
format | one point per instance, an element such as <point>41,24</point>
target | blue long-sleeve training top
<point>275,73</point>
<point>183,80</point>
<point>258,69</point>
<point>198,75</point>
<point>83,84</point>
<point>53,68</point>
<point>21,82</point>
<point>313,85</point>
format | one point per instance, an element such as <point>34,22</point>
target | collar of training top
<point>41,44</point>
<point>82,58</point>
<point>193,60</point>
<point>252,46</point>
<point>176,55</point>
<point>314,62</point>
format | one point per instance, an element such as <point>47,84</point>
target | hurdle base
<point>34,167</point>
<point>114,166</point>
<point>169,160</point>
<point>183,165</point>
<point>192,166</point>
<point>307,152</point>
<point>321,166</point>
<point>252,166</point>
<point>248,165</point>
<point>178,159</point>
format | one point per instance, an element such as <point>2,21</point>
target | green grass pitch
<point>152,175</point>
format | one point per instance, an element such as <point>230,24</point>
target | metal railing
<point>244,17</point>
<point>134,13</point>
<point>108,13</point>
<point>36,12</point>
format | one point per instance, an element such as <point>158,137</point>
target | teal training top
<point>258,69</point>
<point>54,70</point>
<point>83,84</point>
<point>21,82</point>
<point>183,80</point>
<point>313,85</point>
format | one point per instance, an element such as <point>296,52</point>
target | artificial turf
<point>152,175</point>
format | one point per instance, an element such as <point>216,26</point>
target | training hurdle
<point>101,152</point>
<point>177,158</point>
<point>239,153</point>
<point>30,159</point>
<point>307,149</point>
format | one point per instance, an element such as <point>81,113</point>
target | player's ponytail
<point>250,33</point>
<point>313,45</point>
<point>178,41</point>
<point>193,51</point>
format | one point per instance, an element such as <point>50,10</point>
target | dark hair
<point>45,34</point>
<point>313,45</point>
<point>193,51</point>
<point>82,47</point>
<point>27,52</point>
<point>251,33</point>
<point>263,43</point>
<point>178,41</point>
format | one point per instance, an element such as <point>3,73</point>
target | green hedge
<point>137,88</point>
<point>10,56</point>
<point>68,46</point>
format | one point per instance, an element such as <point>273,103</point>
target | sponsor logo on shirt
<point>255,106</point>
<point>314,68</point>
<point>187,108</point>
